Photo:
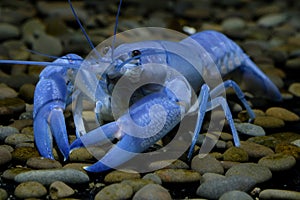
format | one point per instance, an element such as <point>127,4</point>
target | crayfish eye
<point>135,53</point>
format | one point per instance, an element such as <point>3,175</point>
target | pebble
<point>81,155</point>
<point>77,166</point>
<point>288,149</point>
<point>170,164</point>
<point>7,92</point>
<point>205,164</point>
<point>48,45</point>
<point>296,142</point>
<point>271,20</point>
<point>256,150</point>
<point>293,63</point>
<point>31,27</point>
<point>235,154</point>
<point>235,194</point>
<point>8,31</point>
<point>5,156</point>
<point>255,171</point>
<point>48,176</point>
<point>6,131</point>
<point>137,184</point>
<point>18,138</point>
<point>279,194</point>
<point>233,23</point>
<point>116,191</point>
<point>278,162</point>
<point>282,113</point>
<point>118,176</point>
<point>211,176</point>
<point>22,154</point>
<point>243,115</point>
<point>268,141</point>
<point>30,189</point>
<point>22,123</point>
<point>11,173</point>
<point>152,191</point>
<point>3,194</point>
<point>214,189</point>
<point>153,177</point>
<point>42,163</point>
<point>26,92</point>
<point>250,129</point>
<point>60,190</point>
<point>294,88</point>
<point>178,175</point>
<point>268,122</point>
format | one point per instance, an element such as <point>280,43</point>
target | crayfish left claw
<point>44,129</point>
<point>58,128</point>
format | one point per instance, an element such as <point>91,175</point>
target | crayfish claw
<point>59,131</point>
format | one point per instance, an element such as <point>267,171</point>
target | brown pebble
<point>288,149</point>
<point>22,154</point>
<point>60,190</point>
<point>243,115</point>
<point>30,189</point>
<point>5,156</point>
<point>235,154</point>
<point>268,122</point>
<point>178,175</point>
<point>278,162</point>
<point>282,113</point>
<point>294,88</point>
<point>118,176</point>
<point>42,163</point>
<point>152,191</point>
<point>256,150</point>
<point>115,191</point>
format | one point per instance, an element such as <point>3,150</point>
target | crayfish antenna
<point>115,31</point>
<point>80,25</point>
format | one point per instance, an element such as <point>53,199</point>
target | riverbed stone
<point>118,176</point>
<point>250,129</point>
<point>294,88</point>
<point>279,194</point>
<point>42,163</point>
<point>48,176</point>
<point>8,31</point>
<point>18,138</point>
<point>268,122</point>
<point>115,191</point>
<point>235,194</point>
<point>5,156</point>
<point>282,113</point>
<point>6,131</point>
<point>11,173</point>
<point>152,191</point>
<point>137,184</point>
<point>255,171</point>
<point>235,154</point>
<point>278,162</point>
<point>22,154</point>
<point>214,189</point>
<point>256,150</point>
<point>60,190</point>
<point>3,194</point>
<point>205,164</point>
<point>178,175</point>
<point>30,189</point>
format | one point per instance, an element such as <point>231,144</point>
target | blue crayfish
<point>165,76</point>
